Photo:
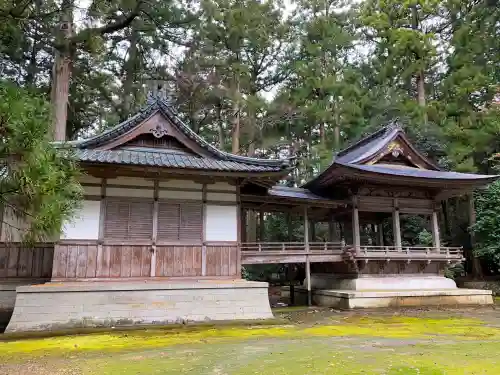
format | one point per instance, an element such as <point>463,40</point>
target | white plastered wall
<point>221,223</point>
<point>85,224</point>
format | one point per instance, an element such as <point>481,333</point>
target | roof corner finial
<point>157,89</point>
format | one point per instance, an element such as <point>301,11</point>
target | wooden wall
<point>88,261</point>
<point>92,261</point>
<point>19,261</point>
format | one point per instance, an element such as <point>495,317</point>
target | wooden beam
<point>261,225</point>
<point>355,224</point>
<point>308,262</point>
<point>155,228</point>
<point>396,226</point>
<point>380,234</point>
<point>204,231</point>
<point>436,240</point>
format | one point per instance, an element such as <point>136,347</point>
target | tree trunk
<point>220,123</point>
<point>251,130</point>
<point>420,75</point>
<point>236,121</point>
<point>62,71</point>
<point>131,66</point>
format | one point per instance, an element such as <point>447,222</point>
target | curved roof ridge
<point>382,132</point>
<point>159,104</point>
<point>123,126</point>
<point>172,115</point>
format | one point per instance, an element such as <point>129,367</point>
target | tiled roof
<point>353,160</point>
<point>157,104</point>
<point>293,192</point>
<point>419,173</point>
<point>155,158</point>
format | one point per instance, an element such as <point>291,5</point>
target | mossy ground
<point>449,342</point>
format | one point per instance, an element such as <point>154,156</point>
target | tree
<point>39,183</point>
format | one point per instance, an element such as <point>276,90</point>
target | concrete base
<point>99,304</point>
<point>344,299</point>
<point>381,282</point>
<point>8,297</point>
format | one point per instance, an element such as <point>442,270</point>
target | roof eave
<point>345,171</point>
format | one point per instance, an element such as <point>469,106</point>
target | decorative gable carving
<point>158,127</point>
<point>399,152</point>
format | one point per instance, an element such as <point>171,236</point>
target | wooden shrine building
<point>162,232</point>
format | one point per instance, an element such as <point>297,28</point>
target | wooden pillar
<point>243,223</point>
<point>155,228</point>
<point>380,234</point>
<point>356,235</point>
<point>477,271</point>
<point>396,226</point>
<point>313,231</point>
<point>204,234</point>
<point>331,230</point>
<point>308,263</point>
<point>436,241</point>
<point>261,225</point>
<point>289,239</point>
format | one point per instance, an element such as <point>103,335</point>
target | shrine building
<point>163,232</point>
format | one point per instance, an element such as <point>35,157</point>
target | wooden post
<point>155,228</point>
<point>289,266</point>
<point>436,241</point>
<point>477,271</point>
<point>331,230</point>
<point>243,225</point>
<point>356,236</point>
<point>261,225</point>
<point>396,226</point>
<point>204,235</point>
<point>308,263</point>
<point>380,234</point>
<point>313,230</point>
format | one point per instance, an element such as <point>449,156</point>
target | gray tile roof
<point>156,158</point>
<point>419,173</point>
<point>157,104</point>
<point>293,192</point>
<point>352,159</point>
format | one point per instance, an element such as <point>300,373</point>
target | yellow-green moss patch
<point>367,326</point>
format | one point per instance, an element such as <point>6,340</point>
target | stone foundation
<point>8,297</point>
<point>381,282</point>
<point>355,299</point>
<point>99,304</point>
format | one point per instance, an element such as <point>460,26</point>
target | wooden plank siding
<point>89,261</point>
<point>222,260</point>
<point>178,261</point>
<point>77,261</point>
<point>19,261</point>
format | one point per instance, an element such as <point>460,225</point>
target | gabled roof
<point>388,157</point>
<point>159,120</point>
<point>366,150</point>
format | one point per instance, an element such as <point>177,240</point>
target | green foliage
<point>37,185</point>
<point>487,227</point>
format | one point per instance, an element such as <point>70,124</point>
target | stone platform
<point>8,297</point>
<point>55,306</point>
<point>349,299</point>
<point>388,290</point>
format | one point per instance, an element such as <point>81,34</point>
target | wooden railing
<point>406,252</point>
<point>286,252</point>
<point>292,247</point>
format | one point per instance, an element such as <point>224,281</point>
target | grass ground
<point>410,342</point>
